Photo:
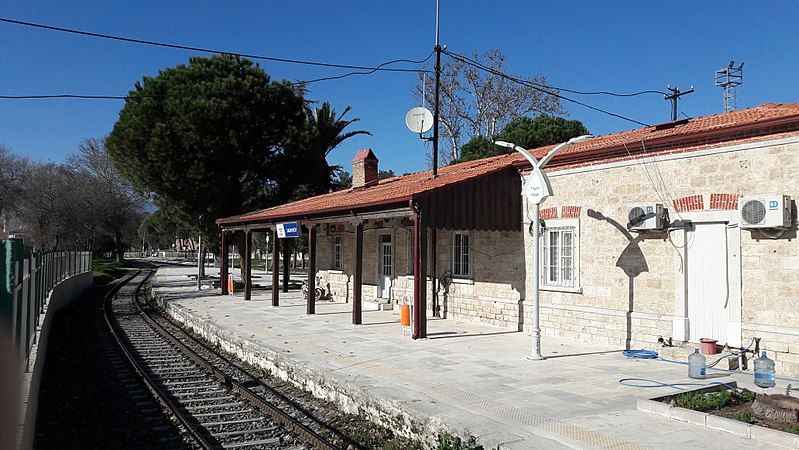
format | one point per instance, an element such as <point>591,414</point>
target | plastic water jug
<point>764,371</point>
<point>697,368</point>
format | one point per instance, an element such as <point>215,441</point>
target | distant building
<point>12,227</point>
<point>704,275</point>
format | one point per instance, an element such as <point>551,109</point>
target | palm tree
<point>329,128</point>
<point>328,131</point>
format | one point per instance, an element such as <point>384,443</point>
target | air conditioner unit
<point>646,216</point>
<point>765,211</point>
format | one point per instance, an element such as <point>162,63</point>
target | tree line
<point>80,204</point>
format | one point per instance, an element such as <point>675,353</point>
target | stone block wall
<point>623,272</point>
<point>491,296</point>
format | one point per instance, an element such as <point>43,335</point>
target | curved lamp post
<point>536,189</point>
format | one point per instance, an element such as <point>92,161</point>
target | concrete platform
<point>465,379</point>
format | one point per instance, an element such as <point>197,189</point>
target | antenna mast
<point>728,79</point>
<point>674,97</point>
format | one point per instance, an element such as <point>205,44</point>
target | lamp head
<point>582,138</point>
<point>505,144</point>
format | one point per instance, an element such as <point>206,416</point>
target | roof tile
<point>403,188</point>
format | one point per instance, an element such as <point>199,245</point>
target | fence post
<point>23,309</point>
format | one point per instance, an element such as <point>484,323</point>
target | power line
<point>209,50</point>
<point>574,91</point>
<point>132,97</point>
<point>537,87</point>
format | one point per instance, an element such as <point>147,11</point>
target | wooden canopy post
<point>247,264</point>
<point>419,276</point>
<point>416,278</point>
<point>423,281</point>
<point>311,269</point>
<point>275,269</point>
<point>357,288</point>
<point>286,257</point>
<point>434,271</point>
<point>223,264</point>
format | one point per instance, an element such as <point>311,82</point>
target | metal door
<point>707,282</point>
<point>385,267</point>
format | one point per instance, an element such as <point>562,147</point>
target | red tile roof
<point>396,190</point>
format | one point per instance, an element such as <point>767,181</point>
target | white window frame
<point>335,257</point>
<point>457,255</point>
<point>555,276</point>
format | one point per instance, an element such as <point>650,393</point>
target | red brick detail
<point>570,212</point>
<point>548,213</point>
<point>724,201</point>
<point>689,203</point>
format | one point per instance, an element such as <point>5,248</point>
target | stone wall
<point>629,283</point>
<point>492,295</point>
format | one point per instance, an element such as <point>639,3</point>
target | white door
<point>385,267</point>
<point>707,282</point>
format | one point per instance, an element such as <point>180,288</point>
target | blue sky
<point>619,46</point>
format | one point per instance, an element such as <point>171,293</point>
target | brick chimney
<point>364,169</point>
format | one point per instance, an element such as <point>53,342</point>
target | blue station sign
<point>288,230</point>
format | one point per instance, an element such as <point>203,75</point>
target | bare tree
<point>83,204</point>
<point>14,171</point>
<point>475,102</point>
<point>115,204</point>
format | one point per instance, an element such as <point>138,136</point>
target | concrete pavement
<point>465,378</point>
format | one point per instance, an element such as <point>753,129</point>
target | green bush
<point>712,401</point>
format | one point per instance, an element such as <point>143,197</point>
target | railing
<point>33,280</point>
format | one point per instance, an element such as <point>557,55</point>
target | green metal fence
<point>27,283</point>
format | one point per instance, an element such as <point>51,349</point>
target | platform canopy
<point>480,195</point>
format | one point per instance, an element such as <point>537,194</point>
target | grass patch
<point>713,401</point>
<point>106,271</point>
<point>745,416</point>
<point>449,442</point>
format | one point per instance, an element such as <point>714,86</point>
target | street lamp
<point>536,189</point>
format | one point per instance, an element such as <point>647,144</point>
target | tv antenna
<point>728,79</point>
<point>674,97</point>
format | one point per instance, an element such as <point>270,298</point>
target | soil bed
<point>731,404</point>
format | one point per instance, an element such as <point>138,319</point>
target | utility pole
<point>437,49</point>
<point>674,97</point>
<point>433,237</point>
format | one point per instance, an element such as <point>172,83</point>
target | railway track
<point>215,409</point>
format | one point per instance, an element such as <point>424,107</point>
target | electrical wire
<point>574,91</point>
<point>537,87</point>
<point>215,51</point>
<point>136,97</point>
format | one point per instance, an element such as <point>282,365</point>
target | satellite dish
<point>419,120</point>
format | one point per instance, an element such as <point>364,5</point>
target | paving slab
<point>465,378</point>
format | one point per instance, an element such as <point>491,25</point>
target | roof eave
<point>620,149</point>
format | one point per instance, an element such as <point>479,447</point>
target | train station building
<point>712,256</point>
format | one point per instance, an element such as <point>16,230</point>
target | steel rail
<point>159,394</point>
<point>263,405</point>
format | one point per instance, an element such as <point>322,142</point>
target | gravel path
<point>88,398</point>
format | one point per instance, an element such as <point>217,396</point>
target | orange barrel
<point>230,284</point>
<point>405,315</point>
